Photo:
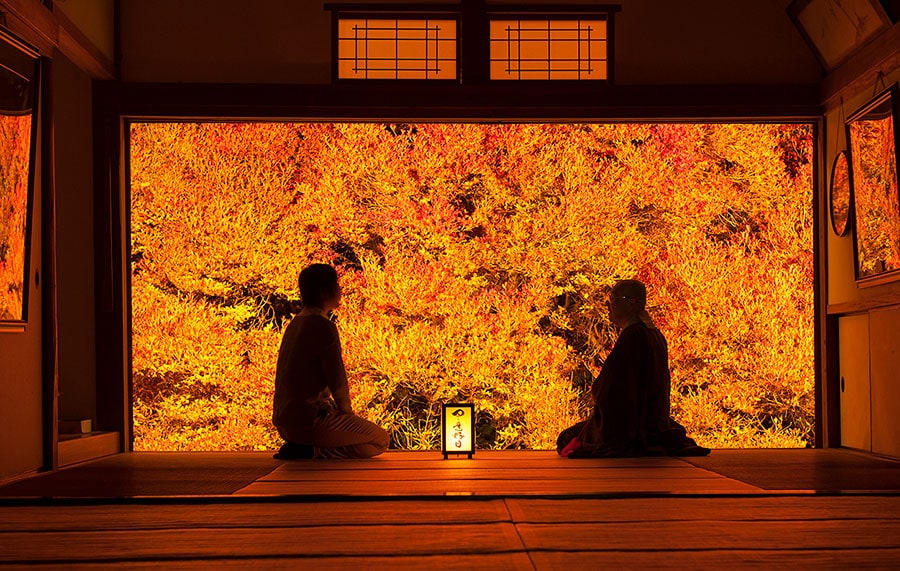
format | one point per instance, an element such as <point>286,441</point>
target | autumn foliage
<point>474,260</point>
<point>15,144</point>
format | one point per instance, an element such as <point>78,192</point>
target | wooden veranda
<point>501,510</point>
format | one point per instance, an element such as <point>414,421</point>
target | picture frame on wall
<point>19,75</point>
<point>873,145</point>
<point>836,29</point>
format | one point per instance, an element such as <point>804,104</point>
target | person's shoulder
<point>636,334</point>
<point>650,337</point>
<point>325,326</point>
<point>317,320</point>
<point>313,324</point>
<point>654,333</point>
<point>635,330</point>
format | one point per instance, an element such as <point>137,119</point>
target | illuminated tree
<point>474,260</point>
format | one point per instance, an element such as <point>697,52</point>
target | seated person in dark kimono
<point>631,393</point>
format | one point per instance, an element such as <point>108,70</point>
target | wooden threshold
<point>76,449</point>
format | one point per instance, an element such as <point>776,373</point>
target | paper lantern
<point>457,429</point>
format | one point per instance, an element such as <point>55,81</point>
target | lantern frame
<point>447,409</point>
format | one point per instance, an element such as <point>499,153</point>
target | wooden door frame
<point>116,103</point>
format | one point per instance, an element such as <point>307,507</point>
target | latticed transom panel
<point>549,49</point>
<point>397,48</point>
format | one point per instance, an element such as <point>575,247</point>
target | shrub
<point>474,259</point>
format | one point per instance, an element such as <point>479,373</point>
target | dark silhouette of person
<point>311,407</point>
<point>631,414</point>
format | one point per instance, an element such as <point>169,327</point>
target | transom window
<point>548,49</point>
<point>379,48</point>
<point>471,43</point>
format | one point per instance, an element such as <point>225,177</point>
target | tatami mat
<point>712,531</point>
<point>490,473</point>
<point>204,543</point>
<point>823,470</point>
<point>149,474</point>
<point>414,510</point>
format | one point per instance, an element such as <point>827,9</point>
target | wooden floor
<point>413,510</point>
<point>491,473</point>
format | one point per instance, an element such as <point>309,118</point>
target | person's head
<point>319,287</point>
<point>627,301</point>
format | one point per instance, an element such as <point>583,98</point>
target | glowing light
<point>457,429</point>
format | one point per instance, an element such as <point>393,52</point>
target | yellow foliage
<point>474,260</point>
<point>15,138</point>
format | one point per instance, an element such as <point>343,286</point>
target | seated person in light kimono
<point>311,407</point>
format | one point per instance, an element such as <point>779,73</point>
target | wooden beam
<point>510,101</point>
<point>83,53</point>
<point>876,299</point>
<point>33,22</point>
<point>861,71</point>
<point>51,30</point>
<point>48,289</point>
<point>110,253</point>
